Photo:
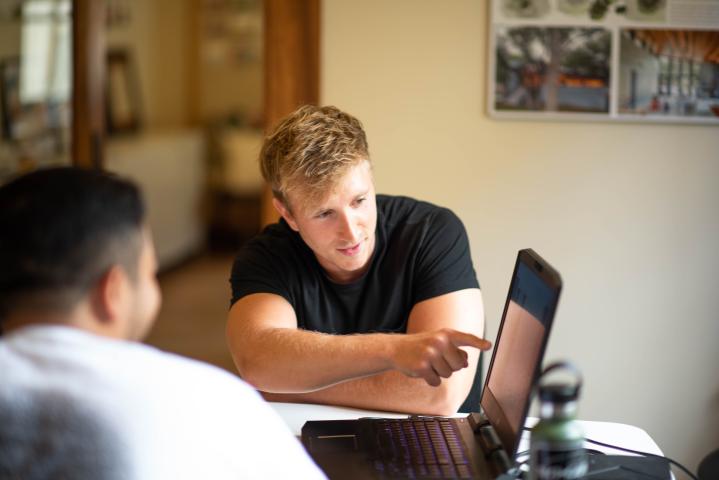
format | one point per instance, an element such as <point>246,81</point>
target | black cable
<point>637,452</point>
<point>522,453</point>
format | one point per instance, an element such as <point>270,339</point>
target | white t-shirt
<point>133,412</point>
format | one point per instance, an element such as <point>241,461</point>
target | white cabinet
<point>170,169</point>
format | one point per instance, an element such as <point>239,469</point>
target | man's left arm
<point>459,310</point>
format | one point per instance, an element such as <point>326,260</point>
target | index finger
<point>463,339</point>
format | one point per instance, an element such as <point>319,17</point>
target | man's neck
<point>78,317</point>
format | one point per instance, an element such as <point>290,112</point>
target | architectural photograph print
<point>542,69</point>
<point>604,60</point>
<point>669,74</point>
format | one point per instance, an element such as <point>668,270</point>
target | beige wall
<point>160,37</point>
<point>10,34</point>
<point>169,48</point>
<point>158,40</point>
<point>229,89</point>
<point>626,212</point>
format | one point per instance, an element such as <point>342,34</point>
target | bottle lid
<point>555,391</point>
<point>558,393</point>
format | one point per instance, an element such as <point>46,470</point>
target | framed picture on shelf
<point>122,94</point>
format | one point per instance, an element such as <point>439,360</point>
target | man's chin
<point>355,266</point>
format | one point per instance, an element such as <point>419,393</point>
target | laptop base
<point>345,449</point>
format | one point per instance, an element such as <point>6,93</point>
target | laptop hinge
<point>477,421</point>
<point>491,445</point>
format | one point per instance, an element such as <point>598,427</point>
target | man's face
<point>145,293</point>
<point>340,229</point>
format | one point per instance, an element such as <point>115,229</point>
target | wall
<point>165,158</point>
<point>229,89</point>
<point>157,38</point>
<point>160,36</point>
<point>10,34</point>
<point>626,212</point>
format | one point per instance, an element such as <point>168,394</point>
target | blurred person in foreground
<point>80,397</point>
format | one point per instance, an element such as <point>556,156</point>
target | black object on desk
<point>625,467</point>
<point>709,467</point>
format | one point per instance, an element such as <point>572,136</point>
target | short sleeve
<point>444,262</point>
<point>256,270</point>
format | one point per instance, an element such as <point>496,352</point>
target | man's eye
<point>324,214</point>
<point>360,200</point>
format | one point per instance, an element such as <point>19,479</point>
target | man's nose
<point>349,230</point>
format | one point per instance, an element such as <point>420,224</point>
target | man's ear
<point>109,296</point>
<point>286,214</point>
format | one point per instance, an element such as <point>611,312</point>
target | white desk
<point>627,436</point>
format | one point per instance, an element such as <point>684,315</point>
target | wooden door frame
<point>88,83</point>
<point>291,66</point>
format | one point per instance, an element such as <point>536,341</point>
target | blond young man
<point>355,299</point>
<point>80,397</point>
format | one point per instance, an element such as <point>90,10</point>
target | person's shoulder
<point>168,364</point>
<point>270,238</point>
<point>270,250</point>
<point>274,261</point>
<point>123,364</point>
<point>407,210</point>
<point>399,206</point>
<point>148,374</point>
<point>107,370</point>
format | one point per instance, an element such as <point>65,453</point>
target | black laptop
<point>480,445</point>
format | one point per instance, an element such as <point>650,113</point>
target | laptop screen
<point>528,313</point>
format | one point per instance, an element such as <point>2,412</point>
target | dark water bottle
<point>557,440</point>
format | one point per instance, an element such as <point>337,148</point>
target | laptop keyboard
<point>418,448</point>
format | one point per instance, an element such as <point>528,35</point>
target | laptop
<point>480,445</point>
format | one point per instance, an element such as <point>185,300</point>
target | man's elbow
<point>245,360</point>
<point>262,374</point>
<point>254,378</point>
<point>248,369</point>
<point>252,372</point>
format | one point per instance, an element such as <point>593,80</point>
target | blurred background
<point>177,93</point>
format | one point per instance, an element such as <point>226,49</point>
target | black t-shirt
<point>421,251</point>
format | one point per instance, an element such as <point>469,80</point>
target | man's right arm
<point>273,355</point>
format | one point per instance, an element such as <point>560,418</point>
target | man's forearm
<point>297,361</point>
<point>389,391</point>
<point>273,355</point>
<point>284,360</point>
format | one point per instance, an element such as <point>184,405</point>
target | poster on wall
<point>628,60</point>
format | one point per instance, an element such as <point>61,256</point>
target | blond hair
<point>310,150</point>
